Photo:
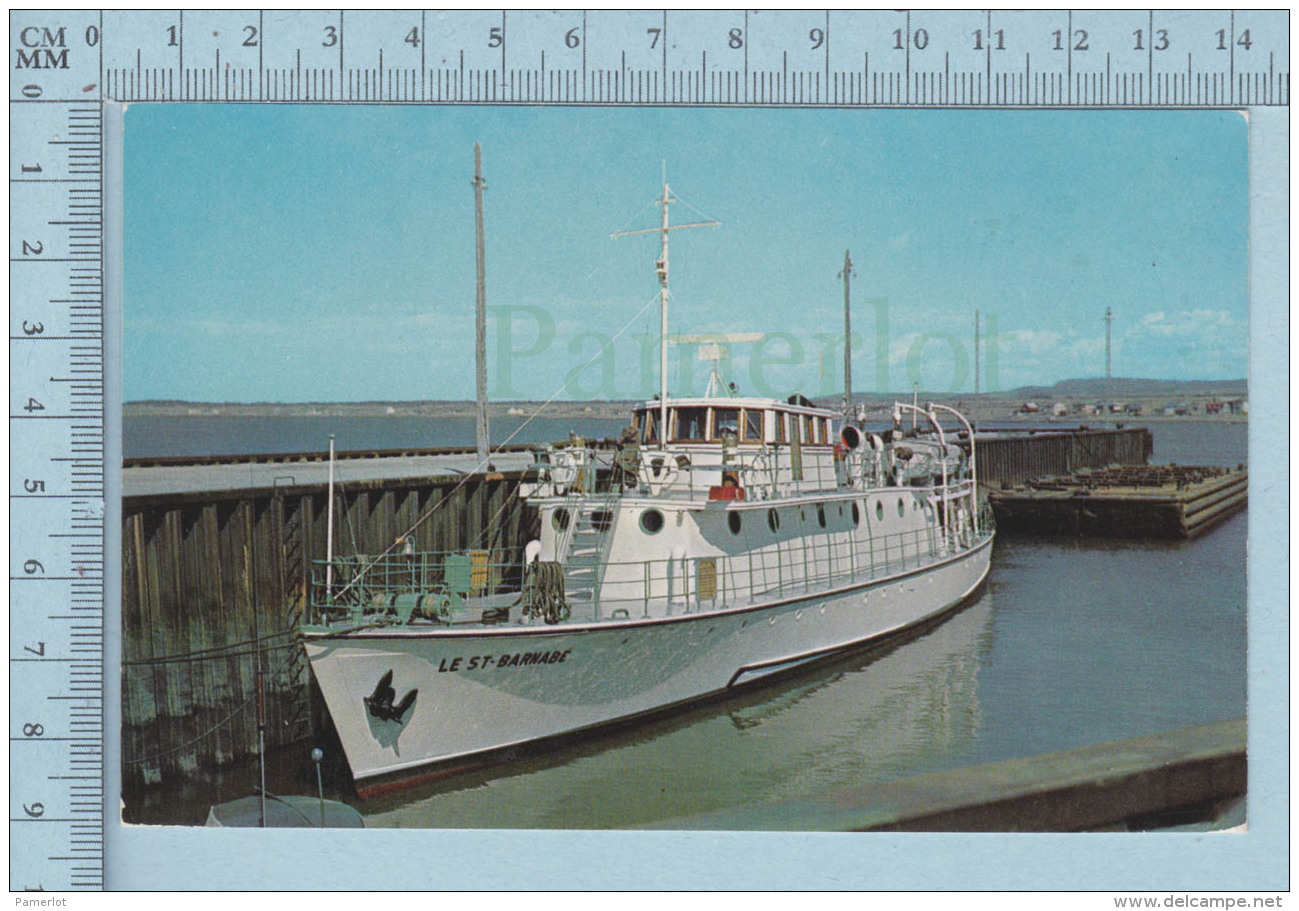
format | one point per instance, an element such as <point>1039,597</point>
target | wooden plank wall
<point>1011,460</point>
<point>214,583</point>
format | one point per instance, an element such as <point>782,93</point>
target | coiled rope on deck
<point>543,591</point>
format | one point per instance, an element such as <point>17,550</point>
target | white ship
<point>752,537</point>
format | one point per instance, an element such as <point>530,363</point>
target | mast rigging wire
<point>482,463</point>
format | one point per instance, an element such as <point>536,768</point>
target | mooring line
<point>189,743</point>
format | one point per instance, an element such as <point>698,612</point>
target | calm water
<point>1072,642</point>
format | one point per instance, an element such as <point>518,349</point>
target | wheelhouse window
<point>782,427</point>
<point>691,425</point>
<point>647,422</point>
<point>726,419</point>
<point>752,426</point>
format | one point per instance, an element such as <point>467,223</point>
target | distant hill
<point>1126,387</point>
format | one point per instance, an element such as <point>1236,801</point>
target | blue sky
<point>316,253</point>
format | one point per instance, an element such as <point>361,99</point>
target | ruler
<point>1132,58</point>
<point>56,453</point>
<point>64,64</point>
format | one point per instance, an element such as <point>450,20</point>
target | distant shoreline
<point>1152,395</point>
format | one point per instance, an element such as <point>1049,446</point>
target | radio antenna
<point>661,269</point>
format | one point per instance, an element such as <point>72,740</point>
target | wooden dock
<point>1153,501</point>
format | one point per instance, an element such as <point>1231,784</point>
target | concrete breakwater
<point>214,583</point>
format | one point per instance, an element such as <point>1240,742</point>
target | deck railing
<point>766,473</point>
<point>460,586</point>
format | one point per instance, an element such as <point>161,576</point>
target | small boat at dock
<point>727,539</point>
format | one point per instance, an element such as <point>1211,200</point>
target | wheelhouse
<point>747,422</point>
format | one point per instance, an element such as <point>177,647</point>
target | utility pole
<point>480,315</point>
<point>847,275</point>
<point>1109,318</point>
<point>976,352</point>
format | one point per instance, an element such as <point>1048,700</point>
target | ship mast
<point>483,438</point>
<point>661,269</point>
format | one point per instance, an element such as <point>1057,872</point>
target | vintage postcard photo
<point>684,469</point>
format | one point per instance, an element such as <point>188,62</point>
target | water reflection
<point>868,717</point>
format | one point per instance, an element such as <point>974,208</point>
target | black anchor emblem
<point>380,702</point>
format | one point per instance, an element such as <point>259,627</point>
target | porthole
<point>651,521</point>
<point>902,507</point>
<point>773,520</point>
<point>879,510</point>
<point>602,519</point>
<point>820,514</point>
<point>734,522</point>
<point>560,520</point>
<point>856,514</point>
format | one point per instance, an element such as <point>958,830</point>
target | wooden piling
<point>1012,459</point>
<point>213,582</point>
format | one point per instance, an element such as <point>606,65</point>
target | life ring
<point>657,471</point>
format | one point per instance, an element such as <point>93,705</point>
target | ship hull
<point>456,696</point>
